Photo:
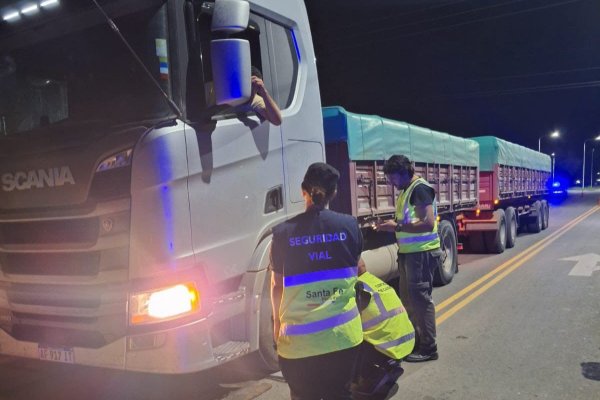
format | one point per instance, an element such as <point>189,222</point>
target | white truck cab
<point>137,196</point>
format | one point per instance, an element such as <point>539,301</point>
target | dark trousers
<point>327,376</point>
<point>370,360</point>
<point>416,286</point>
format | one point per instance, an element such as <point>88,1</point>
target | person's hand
<point>386,226</point>
<point>258,86</point>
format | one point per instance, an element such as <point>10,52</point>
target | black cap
<point>322,175</point>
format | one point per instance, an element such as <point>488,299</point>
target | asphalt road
<point>524,324</point>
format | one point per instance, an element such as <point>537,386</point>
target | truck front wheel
<point>268,354</point>
<point>445,272</point>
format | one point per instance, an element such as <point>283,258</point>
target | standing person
<point>314,264</point>
<point>419,251</point>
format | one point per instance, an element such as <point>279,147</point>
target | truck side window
<point>257,37</point>
<point>284,64</point>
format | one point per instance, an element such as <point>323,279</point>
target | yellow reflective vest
<point>405,214</point>
<point>385,321</point>
<point>318,313</point>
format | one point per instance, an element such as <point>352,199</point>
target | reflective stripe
<point>397,342</point>
<point>417,239</point>
<point>318,326</point>
<point>383,312</point>
<point>317,276</point>
<point>381,317</point>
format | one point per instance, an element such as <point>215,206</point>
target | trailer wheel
<point>266,346</point>
<point>448,266</point>
<point>511,227</point>
<point>535,225</point>
<point>495,241</point>
<point>545,214</point>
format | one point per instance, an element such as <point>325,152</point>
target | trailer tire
<point>449,262</point>
<point>511,227</point>
<point>266,346</point>
<point>495,241</point>
<point>545,214</point>
<point>535,226</point>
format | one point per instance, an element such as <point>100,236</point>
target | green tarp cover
<point>371,137</point>
<point>497,151</point>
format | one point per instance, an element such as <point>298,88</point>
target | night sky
<point>516,69</point>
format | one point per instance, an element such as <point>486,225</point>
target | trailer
<point>487,189</point>
<point>512,196</point>
<point>357,145</point>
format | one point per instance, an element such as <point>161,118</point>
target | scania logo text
<point>37,178</point>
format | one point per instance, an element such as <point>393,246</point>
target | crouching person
<point>388,335</point>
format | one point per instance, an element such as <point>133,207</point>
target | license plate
<point>56,354</point>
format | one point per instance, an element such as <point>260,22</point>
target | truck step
<point>230,350</point>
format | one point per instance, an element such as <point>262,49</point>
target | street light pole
<point>583,172</point>
<point>553,161</point>
<point>592,169</point>
<point>583,167</point>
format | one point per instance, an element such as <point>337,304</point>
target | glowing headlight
<point>163,304</point>
<point>556,184</point>
<point>121,159</point>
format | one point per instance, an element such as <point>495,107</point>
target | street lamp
<point>554,134</point>
<point>583,168</point>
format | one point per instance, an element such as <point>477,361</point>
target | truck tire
<point>535,224</point>
<point>511,227</point>
<point>449,262</point>
<point>545,214</point>
<point>495,241</point>
<point>269,361</point>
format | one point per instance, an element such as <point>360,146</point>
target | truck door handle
<point>274,199</point>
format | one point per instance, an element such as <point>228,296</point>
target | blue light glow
<point>296,45</point>
<point>556,184</point>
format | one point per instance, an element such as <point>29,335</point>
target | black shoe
<point>416,357</point>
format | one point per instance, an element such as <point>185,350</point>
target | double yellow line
<point>481,285</point>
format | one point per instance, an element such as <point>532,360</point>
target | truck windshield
<point>53,74</point>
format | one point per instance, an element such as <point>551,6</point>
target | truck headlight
<point>120,159</point>
<point>163,304</point>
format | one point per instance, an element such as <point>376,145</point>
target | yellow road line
<point>504,269</point>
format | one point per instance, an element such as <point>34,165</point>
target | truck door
<point>236,181</point>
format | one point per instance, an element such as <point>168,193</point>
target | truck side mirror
<point>230,16</point>
<point>230,58</point>
<point>231,71</point>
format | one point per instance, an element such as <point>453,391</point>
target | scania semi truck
<point>138,193</point>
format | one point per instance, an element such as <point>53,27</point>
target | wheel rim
<point>503,233</point>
